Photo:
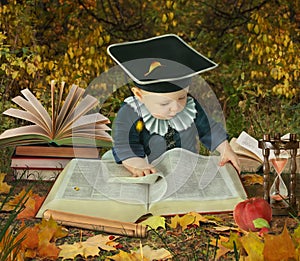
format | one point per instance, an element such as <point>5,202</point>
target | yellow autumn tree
<point>274,50</point>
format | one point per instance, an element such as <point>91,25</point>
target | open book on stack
<point>184,182</point>
<point>68,123</point>
<point>250,155</point>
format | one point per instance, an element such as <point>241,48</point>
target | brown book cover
<point>49,151</point>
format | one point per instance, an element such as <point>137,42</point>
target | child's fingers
<point>143,172</point>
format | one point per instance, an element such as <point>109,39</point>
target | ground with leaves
<point>189,237</point>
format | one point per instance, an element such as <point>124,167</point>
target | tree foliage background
<point>255,43</point>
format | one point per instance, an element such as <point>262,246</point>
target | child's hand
<point>138,167</point>
<point>228,155</point>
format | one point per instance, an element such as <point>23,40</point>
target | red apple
<point>249,210</point>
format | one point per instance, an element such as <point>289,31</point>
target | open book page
<point>85,105</point>
<point>196,183</point>
<point>25,115</point>
<point>242,151</point>
<point>248,142</point>
<point>39,110</point>
<point>83,188</point>
<point>68,105</point>
<point>91,120</point>
<point>27,106</point>
<point>24,135</point>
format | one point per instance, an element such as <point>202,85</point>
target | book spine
<point>95,223</point>
<point>67,152</point>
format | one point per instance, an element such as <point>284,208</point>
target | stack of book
<point>46,162</point>
<point>54,137</point>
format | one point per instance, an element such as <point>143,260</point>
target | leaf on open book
<point>4,187</point>
<point>154,222</point>
<point>252,179</point>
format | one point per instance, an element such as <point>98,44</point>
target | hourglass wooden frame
<point>277,144</point>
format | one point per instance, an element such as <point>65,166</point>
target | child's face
<point>162,105</point>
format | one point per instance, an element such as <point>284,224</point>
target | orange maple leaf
<point>17,200</point>
<point>39,240</point>
<point>32,205</point>
<point>279,247</point>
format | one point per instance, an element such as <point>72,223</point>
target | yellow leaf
<point>250,26</point>
<point>155,222</point>
<point>153,66</point>
<point>4,187</point>
<point>233,240</point>
<point>171,15</point>
<point>169,4</point>
<point>174,221</point>
<point>153,254</point>
<point>50,65</point>
<point>100,41</point>
<point>103,242</point>
<point>251,179</point>
<point>198,218</point>
<point>254,246</point>
<point>222,250</point>
<point>124,256</point>
<point>16,200</point>
<point>107,38</point>
<point>14,74</point>
<point>89,248</point>
<point>183,221</point>
<point>70,251</point>
<point>256,29</point>
<point>164,18</point>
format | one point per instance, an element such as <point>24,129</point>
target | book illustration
<point>38,162</point>
<point>85,187</point>
<point>36,174</point>
<point>68,124</point>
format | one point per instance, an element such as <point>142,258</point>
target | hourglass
<point>281,197</point>
<point>278,191</point>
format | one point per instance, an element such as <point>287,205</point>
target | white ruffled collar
<point>181,121</point>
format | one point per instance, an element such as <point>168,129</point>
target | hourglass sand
<point>278,190</point>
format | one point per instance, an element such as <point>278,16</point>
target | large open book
<point>251,156</point>
<point>67,124</point>
<point>185,182</point>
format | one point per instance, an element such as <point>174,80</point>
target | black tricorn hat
<point>160,64</point>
